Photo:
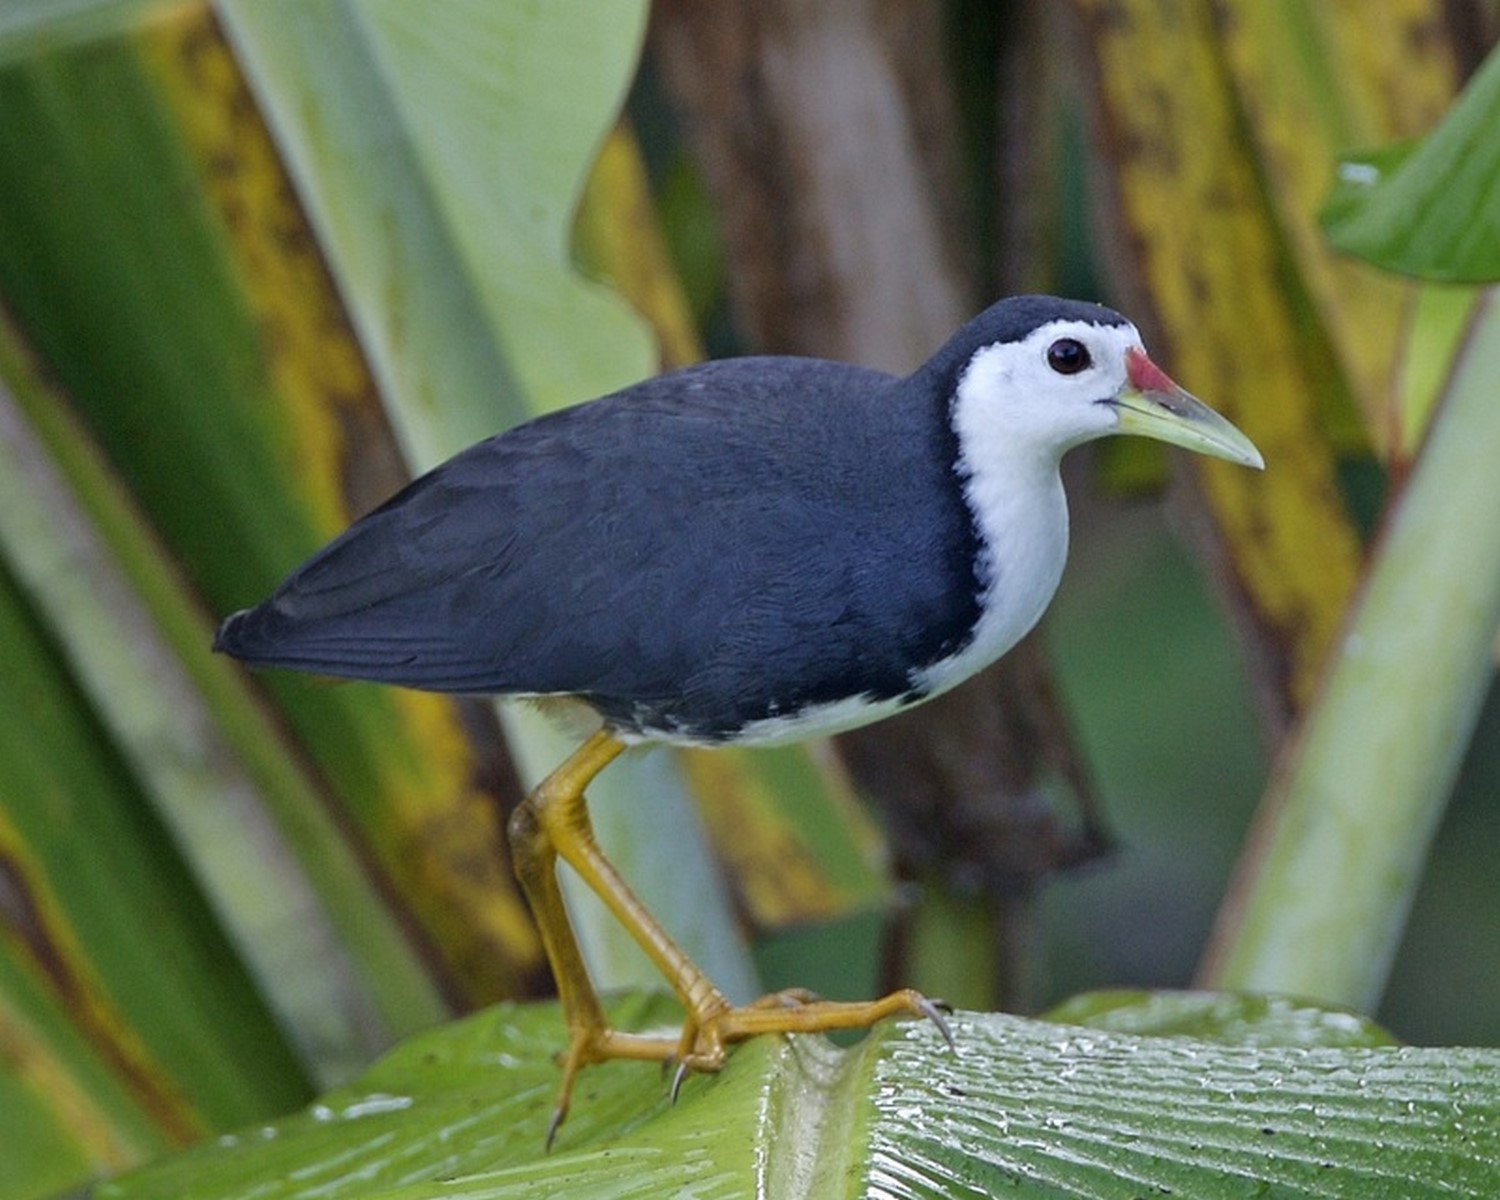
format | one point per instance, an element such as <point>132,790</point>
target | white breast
<point>1024,524</point>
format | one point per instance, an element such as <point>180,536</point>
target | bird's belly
<point>818,720</point>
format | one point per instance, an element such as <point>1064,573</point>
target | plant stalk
<point>1322,893</point>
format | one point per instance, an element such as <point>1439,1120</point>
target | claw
<point>677,1077</point>
<point>937,1012</point>
<point>572,1060</point>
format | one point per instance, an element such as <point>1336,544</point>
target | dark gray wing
<point>726,542</point>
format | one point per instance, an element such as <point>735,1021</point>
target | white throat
<point>1015,493</point>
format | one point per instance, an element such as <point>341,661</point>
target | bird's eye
<point>1068,356</point>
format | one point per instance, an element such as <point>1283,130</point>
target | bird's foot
<point>590,1044</point>
<point>707,1036</point>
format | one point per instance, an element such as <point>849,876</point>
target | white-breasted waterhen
<point>748,551</point>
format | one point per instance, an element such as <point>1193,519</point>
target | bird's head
<point>1041,375</point>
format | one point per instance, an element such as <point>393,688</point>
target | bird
<point>748,551</point>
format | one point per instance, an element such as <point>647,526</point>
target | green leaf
<point>1440,318</point>
<point>1229,1017</point>
<point>440,152</point>
<point>1431,209</point>
<point>1024,1108</point>
<point>136,649</point>
<point>99,895</point>
<point>69,1114</point>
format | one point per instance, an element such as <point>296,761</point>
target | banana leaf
<point>1198,1095</point>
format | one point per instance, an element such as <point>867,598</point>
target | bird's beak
<point>1151,405</point>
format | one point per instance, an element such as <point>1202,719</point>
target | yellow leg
<point>553,822</point>
<point>534,832</point>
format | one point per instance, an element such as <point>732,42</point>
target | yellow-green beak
<point>1151,405</point>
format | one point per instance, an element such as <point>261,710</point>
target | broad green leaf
<point>102,918</point>
<point>440,154</point>
<point>133,660</point>
<point>66,1117</point>
<point>1023,1108</point>
<point>620,240</point>
<point>1432,210</point>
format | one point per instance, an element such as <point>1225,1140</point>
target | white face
<point>1046,394</point>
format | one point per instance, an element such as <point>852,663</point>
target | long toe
<point>588,1045</point>
<point>798,1012</point>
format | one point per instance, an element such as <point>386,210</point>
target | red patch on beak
<point>1145,375</point>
